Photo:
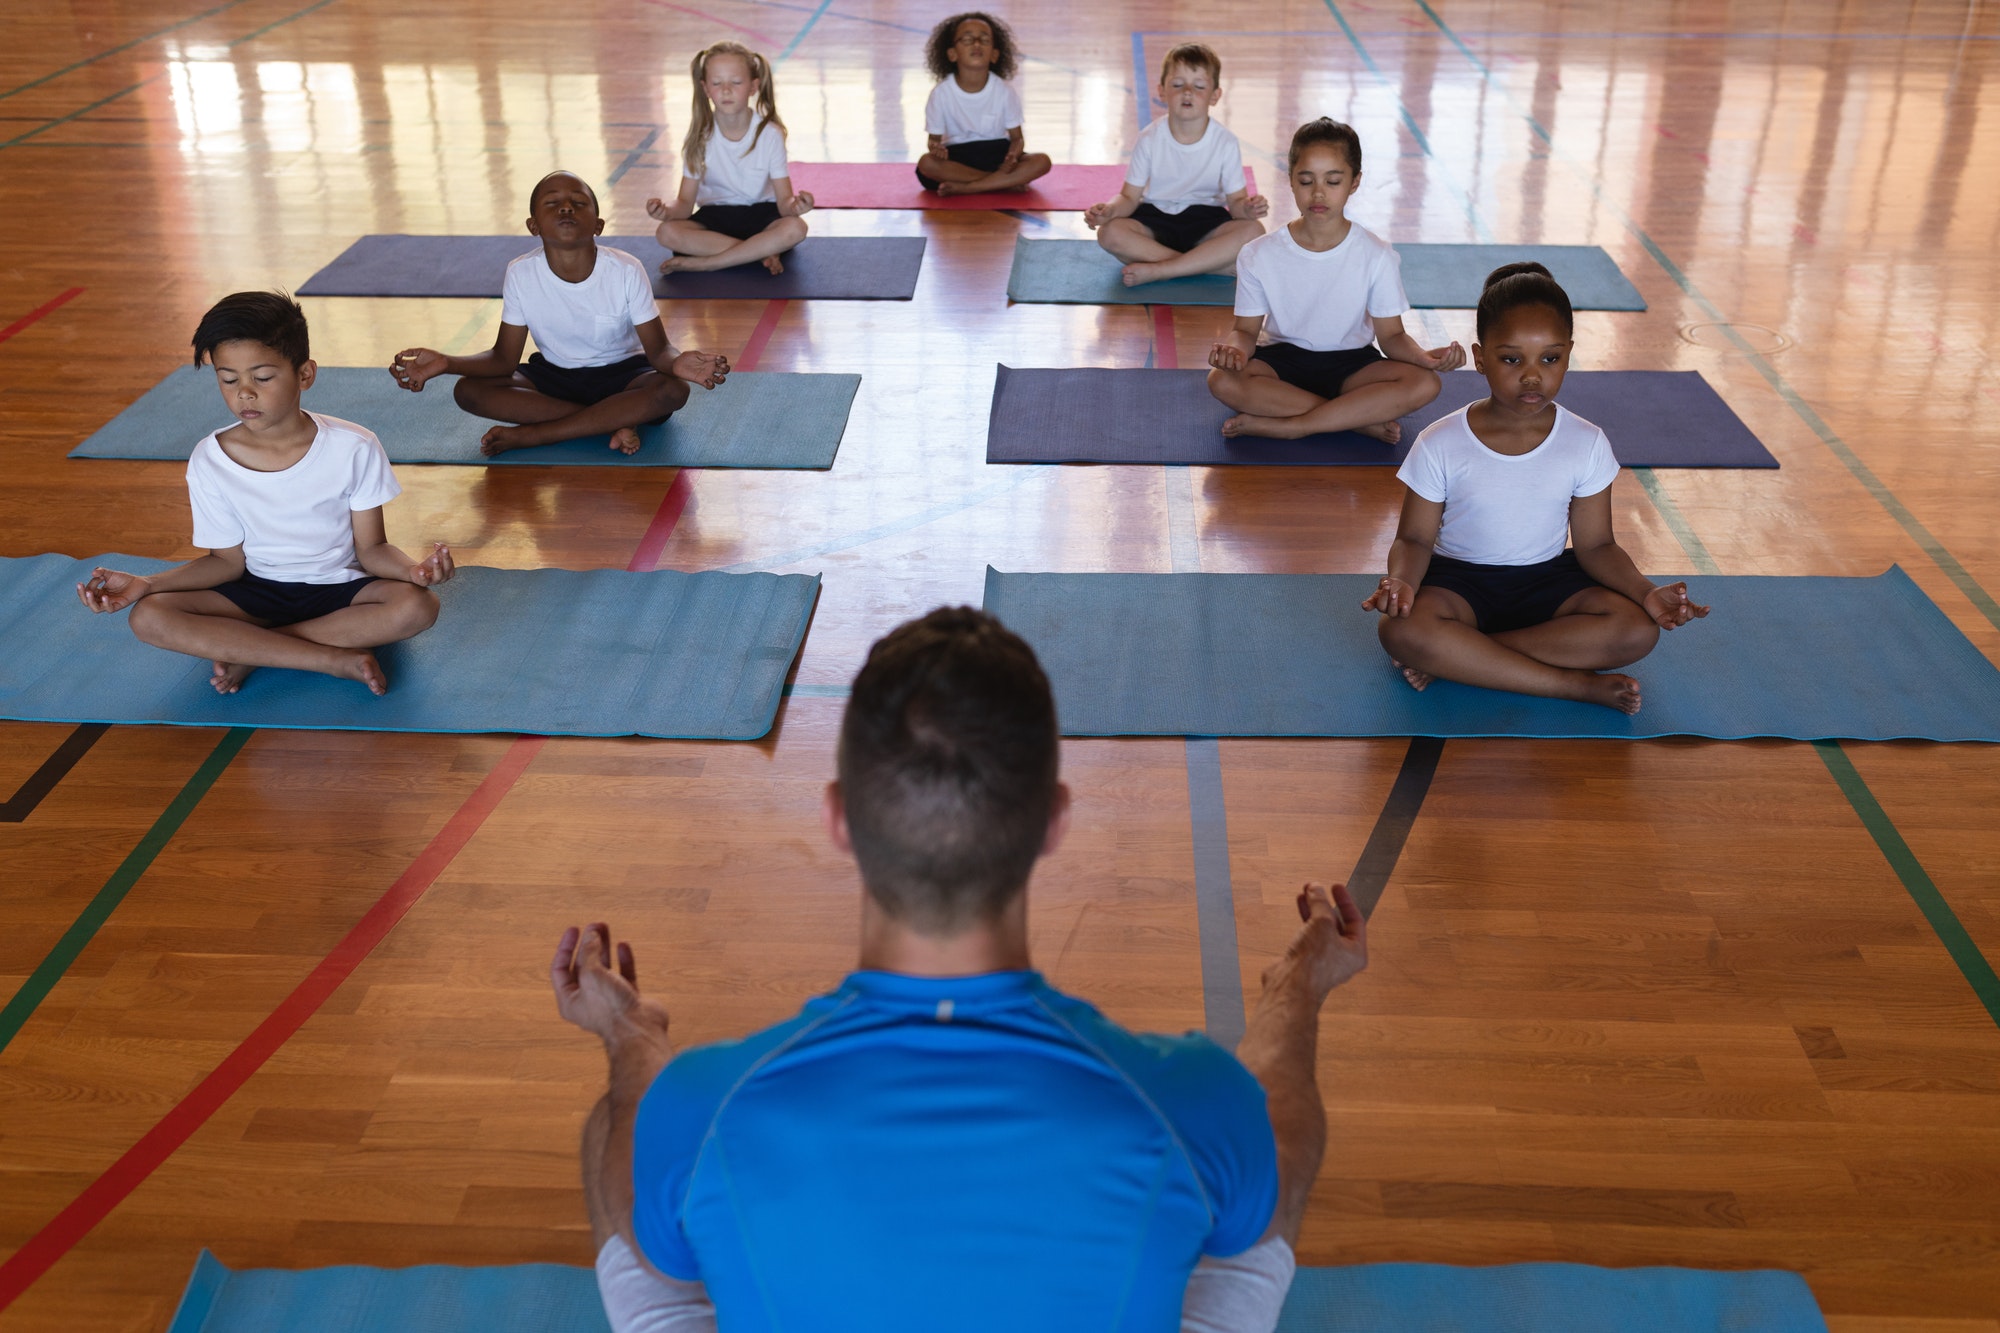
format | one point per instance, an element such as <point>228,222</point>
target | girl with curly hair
<point>973,116</point>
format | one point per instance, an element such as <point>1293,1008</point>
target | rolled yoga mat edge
<point>553,652</point>
<point>821,268</point>
<point>1362,1298</point>
<point>1802,658</point>
<point>754,419</point>
<point>1088,414</point>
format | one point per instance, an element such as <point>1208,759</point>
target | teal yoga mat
<point>1435,277</point>
<point>754,419</point>
<point>1295,655</point>
<point>553,652</point>
<point>1367,1298</point>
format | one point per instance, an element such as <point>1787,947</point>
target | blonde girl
<point>736,203</point>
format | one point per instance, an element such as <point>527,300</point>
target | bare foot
<point>228,677</point>
<point>1276,428</point>
<point>361,665</point>
<point>676,264</point>
<point>1135,274</point>
<point>1610,689</point>
<point>500,439</point>
<point>625,440</point>
<point>949,188</point>
<point>773,265</point>
<point>1419,680</point>
<point>1389,432</point>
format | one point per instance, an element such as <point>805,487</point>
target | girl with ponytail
<point>736,204</point>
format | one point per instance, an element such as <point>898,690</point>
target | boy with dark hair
<point>603,365</point>
<point>300,572</point>
<point>1186,207</point>
<point>948,1142</point>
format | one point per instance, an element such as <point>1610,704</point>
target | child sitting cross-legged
<point>603,364</point>
<point>1318,343</point>
<point>973,116</point>
<point>299,571</point>
<point>1480,586</point>
<point>1185,208</point>
<point>736,204</point>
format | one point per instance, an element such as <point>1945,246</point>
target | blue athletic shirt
<point>969,1153</point>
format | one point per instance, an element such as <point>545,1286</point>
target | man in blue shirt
<point>946,1142</point>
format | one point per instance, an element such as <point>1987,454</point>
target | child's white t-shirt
<point>741,172</point>
<point>1320,301</point>
<point>1176,175</point>
<point>1507,509</point>
<point>963,117</point>
<point>588,323</point>
<point>295,526</point>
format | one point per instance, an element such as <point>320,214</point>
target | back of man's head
<point>948,760</point>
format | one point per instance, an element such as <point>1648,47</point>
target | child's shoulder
<point>1450,432</point>
<point>343,436</point>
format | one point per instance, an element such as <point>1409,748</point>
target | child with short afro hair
<point>973,116</point>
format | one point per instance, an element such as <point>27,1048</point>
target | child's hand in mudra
<point>435,568</point>
<point>1226,356</point>
<point>112,589</point>
<point>656,209</point>
<point>1256,206</point>
<point>1392,597</point>
<point>707,369</point>
<point>414,367</point>
<point>1445,358</point>
<point>1096,216</point>
<point>1670,607</point>
<point>802,203</point>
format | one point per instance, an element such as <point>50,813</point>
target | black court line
<point>1392,826</point>
<point>53,770</point>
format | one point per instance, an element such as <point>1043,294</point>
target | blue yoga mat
<point>552,652</point>
<point>1435,277</point>
<point>1655,418</point>
<point>1369,1298</point>
<point>822,268</point>
<point>766,419</point>
<point>1295,655</point>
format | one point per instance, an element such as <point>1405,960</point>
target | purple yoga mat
<point>822,268</point>
<point>1655,418</point>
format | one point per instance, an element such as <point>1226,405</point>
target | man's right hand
<point>588,993</point>
<point>1333,945</point>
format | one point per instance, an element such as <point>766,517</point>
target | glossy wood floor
<point>1661,1003</point>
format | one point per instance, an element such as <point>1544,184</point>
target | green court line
<point>127,46</point>
<point>43,979</point>
<point>1676,522</point>
<point>1972,964</point>
<point>1918,532</point>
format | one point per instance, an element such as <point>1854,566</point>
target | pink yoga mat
<point>894,185</point>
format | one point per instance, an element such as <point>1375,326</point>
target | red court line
<point>46,308</point>
<point>760,337</point>
<point>1165,355</point>
<point>763,37</point>
<point>662,526</point>
<point>33,1259</point>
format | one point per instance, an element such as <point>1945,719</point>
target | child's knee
<point>1396,633</point>
<point>1424,385</point>
<point>1222,384</point>
<point>1637,636</point>
<point>670,395</point>
<point>790,230</point>
<point>416,608</point>
<point>463,393</point>
<point>146,617</point>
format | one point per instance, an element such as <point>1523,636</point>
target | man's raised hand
<point>588,993</point>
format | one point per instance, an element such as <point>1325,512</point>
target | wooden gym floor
<point>1681,1002</point>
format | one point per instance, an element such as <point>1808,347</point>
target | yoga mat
<point>1067,188</point>
<point>1436,277</point>
<point>1367,1298</point>
<point>822,268</point>
<point>551,652</point>
<point>1545,1298</point>
<point>1655,418</point>
<point>1295,655</point>
<point>767,419</point>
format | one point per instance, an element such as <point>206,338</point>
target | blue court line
<point>1214,898</point>
<point>1503,34</point>
<point>904,27</point>
<point>1913,526</point>
<point>1140,95</point>
<point>632,158</point>
<point>74,66</point>
<point>800,36</point>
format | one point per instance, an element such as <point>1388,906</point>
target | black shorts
<point>737,221</point>
<point>1505,597</point>
<point>1316,372</point>
<point>583,384</point>
<point>981,155</point>
<point>1184,230</point>
<point>276,602</point>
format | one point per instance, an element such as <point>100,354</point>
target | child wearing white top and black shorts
<point>1318,344</point>
<point>1186,207</point>
<point>736,204</point>
<point>299,572</point>
<point>1482,587</point>
<point>973,116</point>
<point>603,364</point>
